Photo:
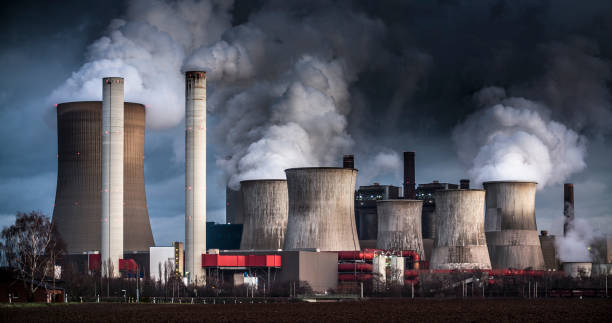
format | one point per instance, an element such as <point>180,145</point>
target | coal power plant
<point>460,241</point>
<point>266,207</point>
<point>321,209</point>
<point>77,214</point>
<point>510,225</point>
<point>314,227</point>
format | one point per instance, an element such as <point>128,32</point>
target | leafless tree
<point>30,248</point>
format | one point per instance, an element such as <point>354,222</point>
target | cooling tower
<point>78,205</point>
<point>460,239</point>
<point>510,225</point>
<point>195,175</point>
<point>399,225</point>
<point>321,209</point>
<point>266,206</point>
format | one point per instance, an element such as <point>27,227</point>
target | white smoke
<point>278,83</point>
<point>513,139</point>
<point>148,48</point>
<point>384,163</point>
<point>575,246</point>
<point>281,88</point>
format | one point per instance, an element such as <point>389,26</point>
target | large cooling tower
<point>510,225</point>
<point>459,239</point>
<point>321,209</point>
<point>266,206</point>
<point>78,205</point>
<point>399,225</point>
<point>195,175</point>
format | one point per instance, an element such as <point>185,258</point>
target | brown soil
<point>390,310</point>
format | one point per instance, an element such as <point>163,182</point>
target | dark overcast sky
<point>432,57</point>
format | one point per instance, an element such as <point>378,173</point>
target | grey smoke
<point>278,84</point>
<point>148,47</point>
<point>281,88</point>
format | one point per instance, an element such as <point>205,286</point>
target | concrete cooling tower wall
<point>399,225</point>
<point>321,209</point>
<point>460,240</point>
<point>266,207</point>
<point>510,225</point>
<point>77,211</point>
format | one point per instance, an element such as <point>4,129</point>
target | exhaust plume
<point>513,139</point>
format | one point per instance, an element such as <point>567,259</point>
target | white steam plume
<point>281,88</point>
<point>513,139</point>
<point>148,48</point>
<point>384,163</point>
<point>576,245</point>
<point>278,83</point>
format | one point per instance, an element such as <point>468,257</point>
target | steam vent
<point>510,225</point>
<point>459,239</point>
<point>77,213</point>
<point>266,205</point>
<point>321,209</point>
<point>399,225</point>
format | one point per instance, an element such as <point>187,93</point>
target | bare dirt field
<point>389,310</point>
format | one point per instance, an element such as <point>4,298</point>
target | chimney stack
<point>568,207</point>
<point>195,175</point>
<point>112,175</point>
<point>348,161</point>
<point>464,184</point>
<point>409,181</point>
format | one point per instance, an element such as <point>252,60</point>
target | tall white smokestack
<point>195,175</point>
<point>112,174</point>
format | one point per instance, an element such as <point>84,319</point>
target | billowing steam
<point>513,139</point>
<point>281,88</point>
<point>148,48</point>
<point>576,245</point>
<point>279,83</point>
<point>387,162</point>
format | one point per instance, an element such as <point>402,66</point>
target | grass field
<point>389,310</point>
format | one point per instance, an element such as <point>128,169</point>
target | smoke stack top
<point>348,161</point>
<point>464,184</point>
<point>409,178</point>
<point>568,207</point>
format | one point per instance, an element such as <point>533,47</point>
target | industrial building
<point>224,236</point>
<point>77,213</point>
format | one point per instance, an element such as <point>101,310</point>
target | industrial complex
<point>315,227</point>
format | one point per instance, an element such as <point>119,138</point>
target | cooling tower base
<point>519,249</point>
<point>468,257</point>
